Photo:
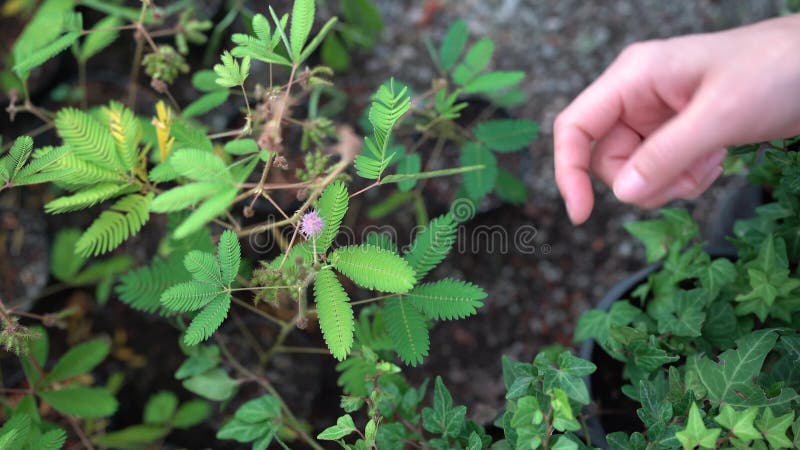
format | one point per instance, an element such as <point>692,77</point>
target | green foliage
<point>125,166</point>
<point>256,422</point>
<point>480,182</point>
<point>332,206</point>
<point>696,434</point>
<point>142,288</point>
<point>389,104</point>
<point>507,135</point>
<point>114,226</point>
<point>101,37</point>
<point>431,245</point>
<point>209,290</point>
<point>81,401</point>
<point>231,73</point>
<point>335,314</point>
<point>302,20</point>
<point>374,268</point>
<point>262,45</point>
<point>453,44</point>
<point>79,359</point>
<point>407,328</point>
<point>23,66</point>
<point>447,299</point>
<point>161,414</point>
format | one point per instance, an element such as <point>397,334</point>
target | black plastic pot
<point>597,432</point>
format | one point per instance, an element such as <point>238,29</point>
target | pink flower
<point>311,224</point>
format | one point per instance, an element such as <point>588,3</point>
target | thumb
<point>668,152</point>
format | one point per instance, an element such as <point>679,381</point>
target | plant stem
<point>314,350</point>
<point>264,382</point>
<point>81,435</point>
<point>261,313</point>
<point>374,299</point>
<point>337,169</point>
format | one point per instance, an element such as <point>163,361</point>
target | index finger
<point>587,119</point>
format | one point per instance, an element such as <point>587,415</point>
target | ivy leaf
<point>683,315</point>
<point>596,324</point>
<point>230,73</point>
<point>568,377</point>
<point>731,381</point>
<point>676,228</point>
<point>443,418</point>
<point>696,434</point>
<point>721,272</point>
<point>344,426</point>
<point>774,428</point>
<point>656,409</point>
<point>740,423</point>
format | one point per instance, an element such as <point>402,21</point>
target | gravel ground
<point>535,298</point>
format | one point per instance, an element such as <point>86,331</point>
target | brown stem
<point>337,169</point>
<point>264,382</point>
<point>261,313</point>
<point>81,435</point>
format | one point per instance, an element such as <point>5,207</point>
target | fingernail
<point>569,210</point>
<point>715,160</point>
<point>630,185</point>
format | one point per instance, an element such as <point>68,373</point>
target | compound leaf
<point>210,318</point>
<point>332,206</point>
<point>189,296</point>
<point>447,299</point>
<point>507,135</point>
<point>335,314</point>
<point>230,256</point>
<point>431,245</point>
<point>407,330</point>
<point>374,268</point>
<point>124,219</point>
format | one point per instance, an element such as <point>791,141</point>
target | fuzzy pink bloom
<point>311,224</point>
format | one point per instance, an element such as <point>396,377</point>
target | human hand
<point>654,126</point>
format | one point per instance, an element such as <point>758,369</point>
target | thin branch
<point>261,313</point>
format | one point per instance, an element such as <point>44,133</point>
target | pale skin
<point>656,124</point>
